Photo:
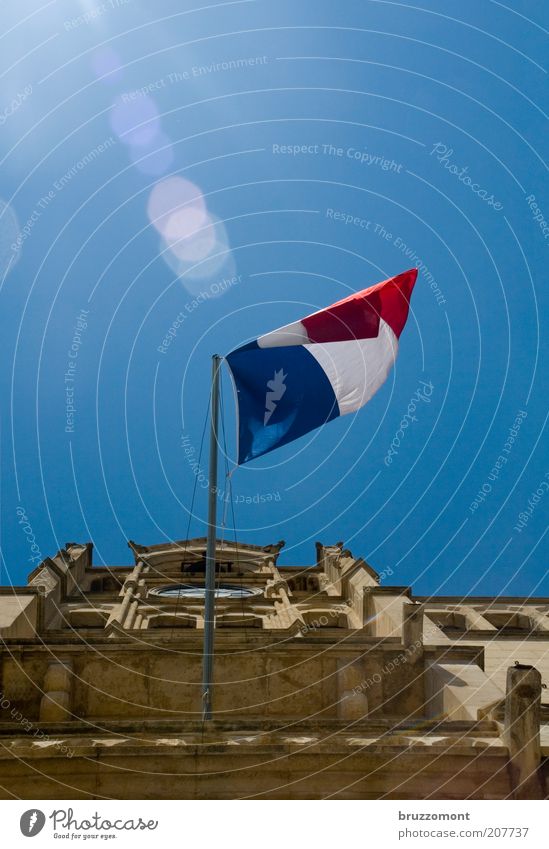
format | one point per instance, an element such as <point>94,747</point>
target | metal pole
<point>209,600</point>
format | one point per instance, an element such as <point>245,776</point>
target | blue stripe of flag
<point>282,394</point>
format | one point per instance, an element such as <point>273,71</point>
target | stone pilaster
<point>352,702</point>
<point>56,702</point>
<point>412,631</point>
<point>521,730</point>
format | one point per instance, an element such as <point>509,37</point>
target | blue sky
<point>424,126</point>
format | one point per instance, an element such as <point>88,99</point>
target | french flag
<point>330,363</point>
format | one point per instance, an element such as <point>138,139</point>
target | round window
<point>199,591</point>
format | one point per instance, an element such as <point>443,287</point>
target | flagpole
<point>209,598</point>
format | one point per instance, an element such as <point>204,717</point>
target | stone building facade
<point>328,682</point>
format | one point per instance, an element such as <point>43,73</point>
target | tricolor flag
<point>330,363</point>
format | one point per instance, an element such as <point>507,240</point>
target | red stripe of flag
<point>357,317</point>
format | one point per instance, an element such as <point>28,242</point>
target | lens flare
<point>178,199</point>
<point>190,235</point>
<point>107,65</point>
<point>215,272</point>
<point>135,122</point>
<point>155,158</point>
<point>200,256</point>
<point>194,244</point>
